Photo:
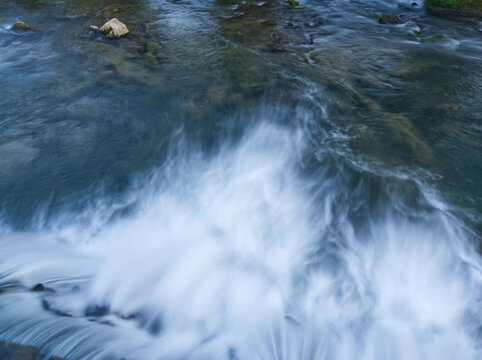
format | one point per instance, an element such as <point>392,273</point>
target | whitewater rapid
<point>248,254</point>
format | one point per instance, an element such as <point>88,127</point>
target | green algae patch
<point>429,39</point>
<point>455,7</point>
<point>292,3</point>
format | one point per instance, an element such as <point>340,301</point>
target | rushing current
<point>240,180</point>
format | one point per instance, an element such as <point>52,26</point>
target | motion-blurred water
<point>240,181</point>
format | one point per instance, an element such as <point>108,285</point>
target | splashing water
<point>244,256</point>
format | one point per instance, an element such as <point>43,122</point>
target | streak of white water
<point>241,257</point>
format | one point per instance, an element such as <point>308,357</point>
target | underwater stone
<point>292,3</point>
<point>389,19</point>
<point>467,8</point>
<point>114,29</point>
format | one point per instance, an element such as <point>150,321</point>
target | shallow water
<point>240,181</point>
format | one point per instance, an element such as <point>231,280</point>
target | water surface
<point>240,180</point>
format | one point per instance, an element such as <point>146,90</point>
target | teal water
<point>241,180</point>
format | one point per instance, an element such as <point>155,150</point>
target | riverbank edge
<point>452,12</point>
<point>461,9</point>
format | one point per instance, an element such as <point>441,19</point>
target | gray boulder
<point>114,29</point>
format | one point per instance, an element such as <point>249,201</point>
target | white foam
<point>240,256</point>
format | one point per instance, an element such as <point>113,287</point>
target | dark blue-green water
<point>240,180</point>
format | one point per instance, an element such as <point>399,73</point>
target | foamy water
<point>242,255</point>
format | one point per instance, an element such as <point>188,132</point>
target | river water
<point>240,180</point>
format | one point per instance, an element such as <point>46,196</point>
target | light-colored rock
<point>114,29</point>
<point>94,28</point>
<point>22,27</point>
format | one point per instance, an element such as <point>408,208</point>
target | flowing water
<point>240,180</point>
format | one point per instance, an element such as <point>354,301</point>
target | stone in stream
<point>76,16</point>
<point>450,107</point>
<point>21,27</point>
<point>38,287</point>
<point>41,287</point>
<point>114,29</point>
<point>113,10</point>
<point>389,19</point>
<point>406,134</point>
<point>292,3</point>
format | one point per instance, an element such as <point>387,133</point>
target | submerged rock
<point>113,10</point>
<point>276,48</point>
<point>15,351</point>
<point>114,29</point>
<point>451,107</point>
<point>407,135</point>
<point>389,19</point>
<point>20,27</point>
<point>292,3</point>
<point>41,287</point>
<point>76,16</point>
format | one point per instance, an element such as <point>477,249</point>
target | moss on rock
<point>455,7</point>
<point>21,27</point>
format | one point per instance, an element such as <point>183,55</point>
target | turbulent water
<point>240,180</point>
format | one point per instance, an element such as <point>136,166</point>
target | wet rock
<point>414,4</point>
<point>19,352</point>
<point>389,19</point>
<point>41,287</point>
<point>120,61</point>
<point>276,48</point>
<point>114,29</point>
<point>451,107</point>
<point>218,94</point>
<point>94,28</point>
<point>101,321</point>
<point>126,316</point>
<point>252,90</point>
<point>47,306</point>
<point>451,129</point>
<point>21,27</point>
<point>407,134</point>
<point>38,287</point>
<point>96,310</point>
<point>429,39</point>
<point>292,3</point>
